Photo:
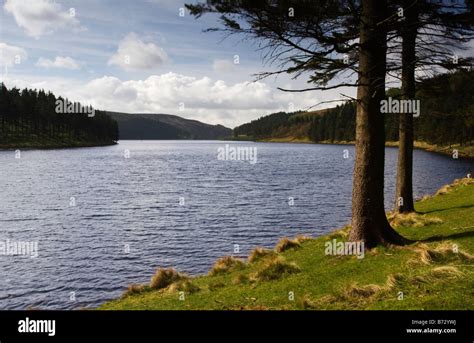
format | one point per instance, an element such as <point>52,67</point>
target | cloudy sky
<point>141,56</point>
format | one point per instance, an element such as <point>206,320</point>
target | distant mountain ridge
<point>165,126</point>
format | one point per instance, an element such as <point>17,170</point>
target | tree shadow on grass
<point>437,238</point>
<point>444,209</point>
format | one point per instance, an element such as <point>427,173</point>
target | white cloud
<point>133,54</point>
<point>204,99</point>
<point>59,62</point>
<point>38,17</point>
<point>223,66</point>
<point>10,55</point>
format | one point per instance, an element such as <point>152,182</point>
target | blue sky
<point>143,56</point>
<point>172,67</point>
<point>102,24</point>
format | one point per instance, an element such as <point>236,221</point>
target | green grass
<point>431,273</point>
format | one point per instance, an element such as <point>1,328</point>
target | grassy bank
<point>437,272</point>
<point>463,150</point>
<point>287,140</point>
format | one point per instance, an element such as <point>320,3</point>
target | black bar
<point>243,323</point>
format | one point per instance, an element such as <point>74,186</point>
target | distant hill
<point>281,126</point>
<point>165,126</point>
<point>447,117</point>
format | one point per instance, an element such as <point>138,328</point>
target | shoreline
<point>463,151</point>
<point>53,146</point>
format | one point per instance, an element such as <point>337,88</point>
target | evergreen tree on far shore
<point>30,116</point>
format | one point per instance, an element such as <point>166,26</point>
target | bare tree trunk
<point>404,194</point>
<point>369,222</point>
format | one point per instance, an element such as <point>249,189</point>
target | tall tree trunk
<point>404,194</point>
<point>369,223</point>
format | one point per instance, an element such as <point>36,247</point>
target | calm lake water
<point>103,221</point>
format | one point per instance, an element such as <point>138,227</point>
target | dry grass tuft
<point>260,253</point>
<point>250,308</point>
<point>458,182</point>
<point>275,269</point>
<point>420,279</point>
<point>186,286</point>
<point>164,277</point>
<point>424,198</point>
<point>320,303</point>
<point>307,303</point>
<point>324,301</point>
<point>444,190</point>
<point>446,272</point>
<point>425,255</point>
<point>367,291</point>
<point>286,244</point>
<point>373,252</point>
<point>226,264</point>
<point>411,219</point>
<point>444,252</point>
<point>302,238</point>
<point>341,233</point>
<point>134,289</point>
<point>395,280</point>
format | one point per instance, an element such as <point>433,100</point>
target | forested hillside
<point>30,118</point>
<point>447,116</point>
